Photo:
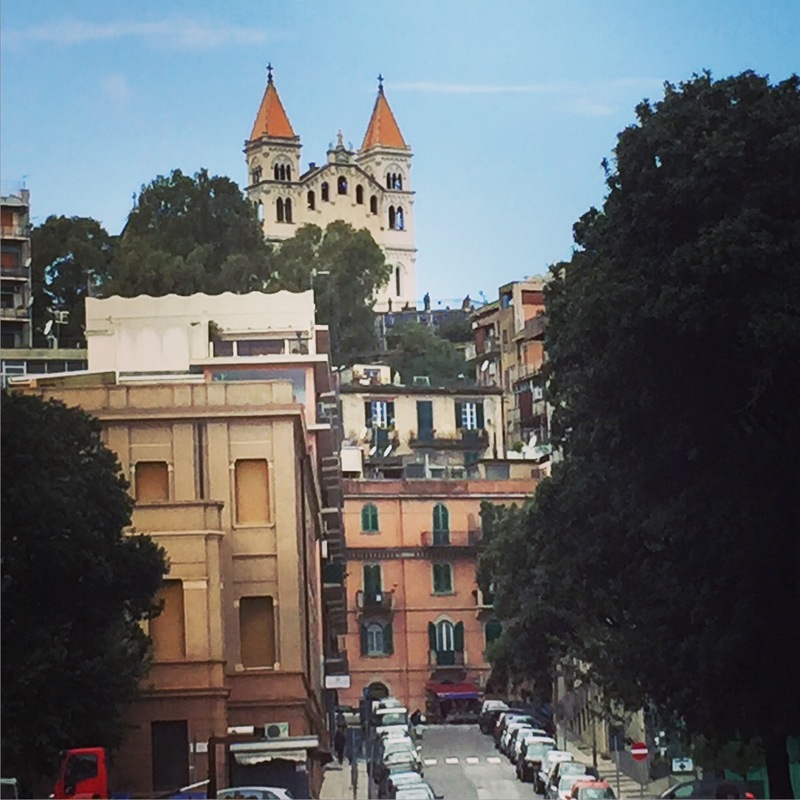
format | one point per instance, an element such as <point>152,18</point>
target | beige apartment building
<point>368,187</point>
<point>16,324</point>
<point>222,432</point>
<point>418,462</point>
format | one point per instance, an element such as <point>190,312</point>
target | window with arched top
<point>391,217</point>
<point>376,639</point>
<point>398,220</point>
<point>398,181</point>
<point>369,518</point>
<point>288,172</point>
<point>260,211</point>
<point>445,635</point>
<point>441,524</point>
<point>324,192</point>
<point>276,171</point>
<point>446,639</point>
<point>287,209</point>
<point>341,185</point>
<point>279,209</point>
<point>373,204</point>
<point>397,281</point>
<point>312,201</point>
<point>255,175</point>
<point>388,180</point>
<point>360,194</point>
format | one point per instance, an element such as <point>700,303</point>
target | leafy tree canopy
<point>74,589</point>
<point>189,235</point>
<point>69,255</point>
<point>346,268</point>
<point>664,549</point>
<point>415,349</point>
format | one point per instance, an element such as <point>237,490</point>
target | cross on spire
<point>380,83</point>
<point>269,72</point>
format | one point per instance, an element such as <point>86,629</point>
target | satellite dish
<point>48,326</point>
<point>387,451</point>
<point>484,366</point>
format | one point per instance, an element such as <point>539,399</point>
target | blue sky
<point>509,106</point>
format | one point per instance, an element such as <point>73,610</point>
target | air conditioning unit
<point>276,730</point>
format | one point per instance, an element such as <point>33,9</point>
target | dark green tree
<point>74,588</point>
<point>416,349</point>
<point>346,268</point>
<point>69,257</point>
<point>664,550</point>
<point>190,234</point>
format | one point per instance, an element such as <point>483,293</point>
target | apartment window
<point>257,631</point>
<point>369,518</point>
<point>376,639</point>
<point>469,415</point>
<point>424,420</point>
<point>152,481</point>
<point>379,413</point>
<point>441,524</point>
<point>442,579</point>
<point>168,629</point>
<point>372,580</point>
<point>445,636</point>
<point>251,479</point>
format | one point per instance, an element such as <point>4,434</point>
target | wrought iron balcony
<point>374,601</point>
<point>446,658</point>
<point>462,439</point>
<point>450,539</point>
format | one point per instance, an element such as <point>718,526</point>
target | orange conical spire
<point>271,119</point>
<point>382,129</point>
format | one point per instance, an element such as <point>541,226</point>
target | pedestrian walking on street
<point>339,741</point>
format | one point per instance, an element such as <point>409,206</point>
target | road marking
<point>493,760</point>
<point>431,762</point>
<point>472,760</point>
<point>451,761</point>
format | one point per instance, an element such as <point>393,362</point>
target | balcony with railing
<point>446,658</point>
<point>450,540</point>
<point>462,439</point>
<point>370,602</point>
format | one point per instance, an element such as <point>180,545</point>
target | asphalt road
<point>462,764</point>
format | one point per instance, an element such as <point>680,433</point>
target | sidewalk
<point>627,788</point>
<point>337,785</point>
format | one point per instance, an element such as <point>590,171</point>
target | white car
<point>518,737</point>
<point>540,778</point>
<point>530,762</point>
<point>256,793</point>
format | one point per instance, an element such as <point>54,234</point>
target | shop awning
<point>454,691</point>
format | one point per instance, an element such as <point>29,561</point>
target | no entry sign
<point>639,751</point>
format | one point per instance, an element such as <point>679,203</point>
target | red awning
<point>454,691</point>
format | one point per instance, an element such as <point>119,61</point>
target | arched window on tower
<point>255,175</point>
<point>398,181</point>
<point>398,222</point>
<point>397,281</point>
<point>288,172</point>
<point>373,204</point>
<point>312,201</point>
<point>324,192</point>
<point>391,217</point>
<point>287,209</point>
<point>360,194</point>
<point>276,171</point>
<point>388,180</point>
<point>260,211</point>
<point>342,185</point>
<point>279,209</point>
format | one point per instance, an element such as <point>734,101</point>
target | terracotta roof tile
<point>271,119</point>
<point>383,129</point>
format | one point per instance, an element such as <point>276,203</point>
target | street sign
<point>682,765</point>
<point>639,751</point>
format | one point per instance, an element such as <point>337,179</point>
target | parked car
<point>541,778</point>
<point>592,790</point>
<point>562,790</point>
<point>490,711</point>
<point>561,768</point>
<point>708,787</point>
<point>400,777</point>
<point>531,755</point>
<point>510,730</point>
<point>506,719</point>
<point>256,793</point>
<point>517,739</point>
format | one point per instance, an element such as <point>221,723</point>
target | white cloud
<point>173,34</point>
<point>117,89</point>
<point>566,88</point>
<point>591,108</point>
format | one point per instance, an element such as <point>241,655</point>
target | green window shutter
<point>372,579</point>
<point>458,637</point>
<point>437,578</point>
<point>363,639</point>
<point>479,415</point>
<point>431,636</point>
<point>369,518</point>
<point>447,578</point>
<point>441,517</point>
<point>388,639</point>
<point>459,412</point>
